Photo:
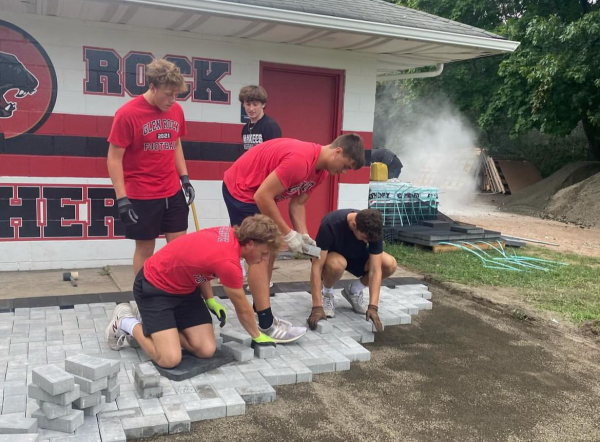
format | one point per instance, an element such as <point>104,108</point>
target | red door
<point>307,103</point>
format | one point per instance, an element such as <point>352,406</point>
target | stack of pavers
<point>431,233</point>
<point>97,379</point>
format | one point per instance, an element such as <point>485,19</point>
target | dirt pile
<point>577,203</point>
<point>535,200</point>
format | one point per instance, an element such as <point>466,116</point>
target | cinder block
<point>31,437</point>
<point>112,431</point>
<point>111,394</point>
<point>257,394</point>
<point>265,351</point>
<point>119,414</point>
<point>87,400</point>
<point>233,336</point>
<point>66,424</point>
<point>146,375</point>
<point>36,392</point>
<point>52,379</point>
<point>88,367</point>
<point>12,425</point>
<point>150,392</point>
<point>324,327</point>
<point>236,406</point>
<point>52,411</point>
<point>238,351</point>
<point>147,426</point>
<point>88,386</point>
<point>179,420</point>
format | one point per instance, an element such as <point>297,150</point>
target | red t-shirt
<point>184,263</point>
<point>294,162</point>
<point>150,138</point>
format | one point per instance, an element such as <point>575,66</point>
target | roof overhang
<point>394,47</point>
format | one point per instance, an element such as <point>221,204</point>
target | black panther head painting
<point>14,75</point>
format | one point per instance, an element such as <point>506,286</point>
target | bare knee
<point>169,360</point>
<point>206,351</point>
<point>335,265</point>
<point>390,265</point>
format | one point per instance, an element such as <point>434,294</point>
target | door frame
<point>339,75</point>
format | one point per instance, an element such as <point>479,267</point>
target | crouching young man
<point>350,240</point>
<point>171,313</point>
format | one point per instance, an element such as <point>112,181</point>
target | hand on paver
<point>218,310</point>
<point>306,239</point>
<point>263,339</point>
<point>374,316</point>
<point>316,314</point>
<point>294,241</point>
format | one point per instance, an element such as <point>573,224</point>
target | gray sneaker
<point>114,336</point>
<point>356,301</point>
<point>328,304</point>
<point>136,313</point>
<point>283,332</point>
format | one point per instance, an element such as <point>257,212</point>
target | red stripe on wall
<point>82,167</point>
<point>361,176</point>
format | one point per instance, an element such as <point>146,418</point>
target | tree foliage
<point>550,83</point>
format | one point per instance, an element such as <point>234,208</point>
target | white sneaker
<point>283,332</point>
<point>358,303</point>
<point>328,302</point>
<point>114,336</point>
<point>136,313</point>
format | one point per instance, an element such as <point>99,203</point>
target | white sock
<point>356,287</point>
<point>243,264</point>
<point>328,291</point>
<point>127,325</point>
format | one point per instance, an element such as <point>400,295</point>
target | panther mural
<point>14,76</point>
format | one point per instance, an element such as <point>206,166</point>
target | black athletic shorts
<point>356,266</point>
<point>162,311</point>
<point>155,217</point>
<point>238,211</point>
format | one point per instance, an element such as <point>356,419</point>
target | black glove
<point>126,212</point>
<point>373,315</point>
<point>316,314</point>
<point>188,189</point>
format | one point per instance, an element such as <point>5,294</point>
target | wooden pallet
<point>445,248</point>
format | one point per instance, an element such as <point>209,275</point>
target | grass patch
<point>572,290</point>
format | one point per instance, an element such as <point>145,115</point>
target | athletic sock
<point>327,291</point>
<point>127,325</point>
<point>265,318</point>
<point>356,287</point>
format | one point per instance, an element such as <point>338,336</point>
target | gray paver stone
<point>112,431</point>
<point>87,400</point>
<point>324,327</point>
<point>111,394</point>
<point>238,351</point>
<point>67,424</point>
<point>265,351</point>
<point>146,375</point>
<point>11,425</point>
<point>236,406</point>
<point>14,404</point>
<point>234,336</point>
<point>52,379</point>
<point>150,407</point>
<point>149,393</point>
<point>213,408</point>
<point>36,392</point>
<point>179,420</point>
<point>88,367</point>
<point>31,437</point>
<point>279,376</point>
<point>52,411</point>
<point>111,381</point>
<point>260,394</point>
<point>95,409</point>
<point>119,414</point>
<point>147,426</point>
<point>88,386</point>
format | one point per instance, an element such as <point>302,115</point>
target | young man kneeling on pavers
<point>350,240</point>
<point>168,297</point>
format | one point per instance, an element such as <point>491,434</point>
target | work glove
<point>308,240</point>
<point>316,314</point>
<point>188,189</point>
<point>374,316</point>
<point>294,241</point>
<point>263,340</point>
<point>126,212</point>
<point>218,310</point>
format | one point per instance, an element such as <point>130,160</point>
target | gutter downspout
<point>391,77</point>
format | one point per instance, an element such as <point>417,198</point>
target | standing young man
<point>350,240</point>
<point>260,127</point>
<point>167,297</point>
<point>146,163</point>
<point>274,171</point>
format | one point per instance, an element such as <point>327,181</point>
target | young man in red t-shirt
<point>274,171</point>
<point>146,163</point>
<point>171,312</point>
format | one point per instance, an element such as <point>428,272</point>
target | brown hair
<point>370,222</point>
<point>261,229</point>
<point>161,72</point>
<point>253,93</point>
<point>352,147</point>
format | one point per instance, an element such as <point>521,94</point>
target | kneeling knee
<point>169,361</point>
<point>206,351</point>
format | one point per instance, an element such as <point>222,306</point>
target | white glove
<point>294,241</point>
<point>308,240</point>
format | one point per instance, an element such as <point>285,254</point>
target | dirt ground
<point>483,212</point>
<point>461,372</point>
